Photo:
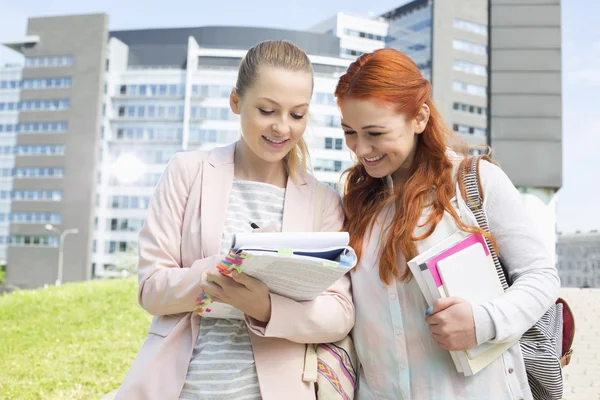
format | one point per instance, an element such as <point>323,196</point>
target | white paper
<point>290,240</point>
<point>297,277</point>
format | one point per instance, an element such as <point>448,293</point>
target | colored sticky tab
<point>330,264</point>
<point>285,252</point>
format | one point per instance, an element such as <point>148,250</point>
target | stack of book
<point>461,266</point>
<point>296,265</point>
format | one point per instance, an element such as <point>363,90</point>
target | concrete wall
<point>525,88</point>
<point>444,33</point>
<point>84,37</point>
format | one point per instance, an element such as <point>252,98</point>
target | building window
<point>470,109</point>
<point>41,127</point>
<point>472,27</point>
<point>12,84</point>
<point>329,143</point>
<point>339,143</point>
<point>152,90</point>
<point>350,52</point>
<point>355,33</point>
<point>125,225</point>
<point>469,47</point>
<point>48,61</point>
<point>324,98</point>
<point>38,172</point>
<point>469,130</point>
<point>151,111</point>
<point>129,202</point>
<point>332,121</point>
<point>44,105</point>
<point>330,165</point>
<point>422,25</point>
<point>469,88</point>
<point>216,91</point>
<point>213,136</point>
<point>33,240</point>
<point>46,83</point>
<point>150,133</point>
<point>40,150</point>
<point>8,128</point>
<point>222,114</point>
<point>112,247</point>
<point>35,218</point>
<point>469,68</point>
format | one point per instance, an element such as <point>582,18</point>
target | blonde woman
<point>201,200</point>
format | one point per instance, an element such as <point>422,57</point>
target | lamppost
<point>61,243</point>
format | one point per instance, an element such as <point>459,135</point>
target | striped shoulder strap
<point>474,199</point>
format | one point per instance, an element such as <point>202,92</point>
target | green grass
<point>76,341</point>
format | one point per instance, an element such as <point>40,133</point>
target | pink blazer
<point>181,239</point>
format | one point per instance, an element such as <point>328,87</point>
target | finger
<point>266,229</point>
<point>435,319</point>
<point>436,330</point>
<point>220,279</point>
<point>212,290</point>
<point>243,279</point>
<point>440,341</point>
<point>444,303</point>
<point>211,276</point>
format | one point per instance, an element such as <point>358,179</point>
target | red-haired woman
<point>401,198</point>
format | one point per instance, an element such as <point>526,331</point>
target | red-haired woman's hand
<point>452,325</point>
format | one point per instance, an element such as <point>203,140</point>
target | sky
<point>578,201</point>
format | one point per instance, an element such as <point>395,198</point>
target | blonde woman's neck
<point>248,166</point>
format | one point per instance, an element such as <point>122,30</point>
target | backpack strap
<point>469,172</point>
<point>470,187</point>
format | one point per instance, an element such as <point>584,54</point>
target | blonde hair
<point>277,54</point>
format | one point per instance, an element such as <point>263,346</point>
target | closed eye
<point>375,133</point>
<point>297,116</point>
<point>349,132</point>
<point>265,112</point>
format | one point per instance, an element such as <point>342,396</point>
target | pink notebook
<point>468,241</point>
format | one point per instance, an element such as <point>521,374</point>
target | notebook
<point>471,275</point>
<point>296,265</point>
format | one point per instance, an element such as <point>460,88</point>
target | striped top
<point>222,364</point>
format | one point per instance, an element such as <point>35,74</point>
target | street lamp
<point>61,242</point>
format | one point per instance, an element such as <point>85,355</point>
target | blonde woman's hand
<point>247,294</point>
<point>452,324</point>
<point>269,228</point>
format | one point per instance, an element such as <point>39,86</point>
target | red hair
<point>390,77</point>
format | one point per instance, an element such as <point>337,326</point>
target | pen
<point>253,225</point>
